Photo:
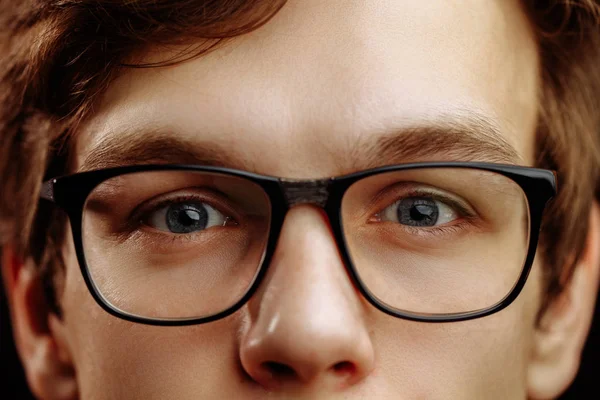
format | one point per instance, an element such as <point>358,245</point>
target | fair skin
<point>304,97</point>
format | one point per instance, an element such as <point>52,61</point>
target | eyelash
<point>141,212</point>
<point>466,217</point>
<point>134,226</point>
<point>441,230</point>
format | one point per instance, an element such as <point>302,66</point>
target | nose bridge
<point>307,324</point>
<point>307,252</point>
<point>314,191</point>
<point>307,257</point>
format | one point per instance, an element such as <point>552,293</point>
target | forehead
<point>322,79</point>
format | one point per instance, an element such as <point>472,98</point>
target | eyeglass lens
<point>189,244</point>
<point>439,240</point>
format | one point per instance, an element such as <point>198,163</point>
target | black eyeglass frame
<point>70,193</point>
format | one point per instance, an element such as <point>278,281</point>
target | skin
<point>302,98</point>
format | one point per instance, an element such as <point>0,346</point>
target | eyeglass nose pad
<point>314,192</point>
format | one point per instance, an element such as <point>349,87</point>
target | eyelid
<point>151,220</point>
<point>223,205</point>
<point>463,207</point>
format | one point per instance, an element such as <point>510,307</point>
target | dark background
<point>13,385</point>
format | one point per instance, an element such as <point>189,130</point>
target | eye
<point>419,211</point>
<point>185,217</point>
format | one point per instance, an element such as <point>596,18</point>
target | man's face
<point>307,96</point>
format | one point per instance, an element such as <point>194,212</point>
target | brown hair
<point>57,56</point>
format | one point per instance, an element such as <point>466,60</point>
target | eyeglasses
<point>181,244</point>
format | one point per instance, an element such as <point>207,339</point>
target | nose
<point>307,325</point>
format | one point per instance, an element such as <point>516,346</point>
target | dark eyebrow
<point>468,139</point>
<point>159,147</point>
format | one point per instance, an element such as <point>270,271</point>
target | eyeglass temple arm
<point>47,190</point>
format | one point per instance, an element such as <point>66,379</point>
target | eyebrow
<point>135,147</point>
<point>467,139</point>
<point>471,138</point>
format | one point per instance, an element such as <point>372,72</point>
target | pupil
<point>420,212</point>
<point>186,218</point>
<point>417,211</point>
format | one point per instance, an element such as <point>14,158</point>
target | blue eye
<point>185,217</point>
<point>419,212</point>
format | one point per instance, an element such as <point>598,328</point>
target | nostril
<point>344,368</point>
<point>279,370</point>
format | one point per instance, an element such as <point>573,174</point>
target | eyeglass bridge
<point>306,191</point>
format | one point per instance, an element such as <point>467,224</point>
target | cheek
<point>119,359</point>
<point>124,361</point>
<point>483,358</point>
